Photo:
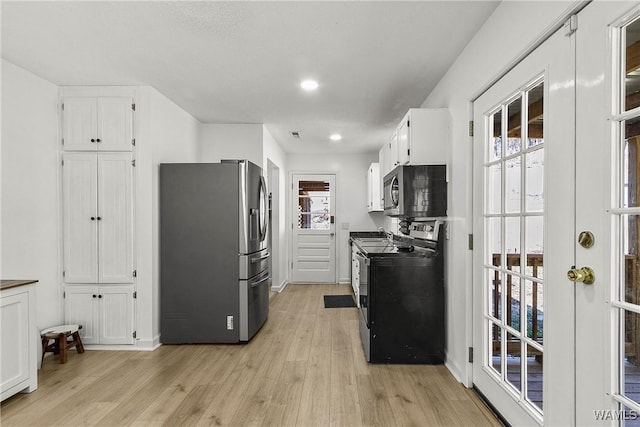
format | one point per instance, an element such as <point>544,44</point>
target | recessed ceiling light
<point>309,85</point>
<point>335,137</point>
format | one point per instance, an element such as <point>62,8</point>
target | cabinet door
<point>369,190</point>
<point>115,123</point>
<point>15,337</point>
<point>79,129</point>
<point>115,227</point>
<point>392,153</point>
<point>80,308</point>
<point>116,314</point>
<point>404,141</point>
<point>80,211</point>
<point>373,184</point>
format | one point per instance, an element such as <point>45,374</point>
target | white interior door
<point>523,305</point>
<point>314,239</point>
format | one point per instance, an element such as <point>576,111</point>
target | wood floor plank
<point>305,367</point>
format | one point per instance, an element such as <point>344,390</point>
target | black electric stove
<point>401,287</point>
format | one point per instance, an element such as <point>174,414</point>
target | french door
<point>608,208</point>
<point>556,202</point>
<point>314,232</point>
<point>523,307</point>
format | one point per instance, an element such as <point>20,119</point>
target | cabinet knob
<point>99,296</point>
<point>98,140</point>
<point>93,218</point>
<point>93,140</point>
<point>94,295</point>
<point>99,218</point>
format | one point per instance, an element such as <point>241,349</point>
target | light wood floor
<point>305,367</point>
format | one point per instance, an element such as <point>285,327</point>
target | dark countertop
<point>379,245</point>
<point>8,284</point>
<point>356,234</point>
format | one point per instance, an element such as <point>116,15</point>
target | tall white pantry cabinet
<point>97,164</point>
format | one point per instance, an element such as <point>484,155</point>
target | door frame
<point>289,218</point>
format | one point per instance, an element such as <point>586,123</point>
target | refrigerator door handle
<point>265,256</point>
<point>253,285</point>
<point>264,206</point>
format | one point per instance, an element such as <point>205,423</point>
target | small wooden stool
<point>65,337</point>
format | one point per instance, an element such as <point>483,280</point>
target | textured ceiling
<point>242,62</point>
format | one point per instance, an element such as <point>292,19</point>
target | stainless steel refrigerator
<point>214,259</point>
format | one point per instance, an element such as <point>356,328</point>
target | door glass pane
<point>494,188</point>
<point>631,66</point>
<point>494,241</point>
<point>513,301</point>
<point>534,376</point>
<point>512,244</point>
<point>514,127</point>
<point>630,372</point>
<point>534,247</point>
<point>630,258</point>
<point>535,310</point>
<point>513,361</point>
<point>314,205</point>
<point>495,347</point>
<point>535,134</point>
<point>631,191</point>
<point>534,181</point>
<point>495,293</point>
<point>513,180</point>
<point>495,145</point>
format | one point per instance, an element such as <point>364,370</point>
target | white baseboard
<point>454,369</point>
<point>149,345</point>
<point>281,287</point>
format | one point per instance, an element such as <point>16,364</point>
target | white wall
<point>166,134</point>
<point>273,156</point>
<point>512,27</point>
<point>351,205</point>
<point>30,187</point>
<point>231,141</point>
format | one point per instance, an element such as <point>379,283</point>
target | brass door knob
<point>584,275</point>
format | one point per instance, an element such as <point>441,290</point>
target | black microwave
<point>416,191</point>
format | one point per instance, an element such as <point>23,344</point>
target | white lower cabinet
<point>18,353</point>
<point>105,313</point>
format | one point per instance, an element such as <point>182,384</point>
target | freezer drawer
<point>253,264</point>
<point>254,304</point>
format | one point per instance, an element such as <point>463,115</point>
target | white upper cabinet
<point>373,188</point>
<point>404,150</point>
<point>97,123</point>
<point>392,153</point>
<point>423,137</point>
<point>98,217</point>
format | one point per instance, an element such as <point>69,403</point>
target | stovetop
<point>384,246</point>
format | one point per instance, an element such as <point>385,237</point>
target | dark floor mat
<point>338,301</point>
